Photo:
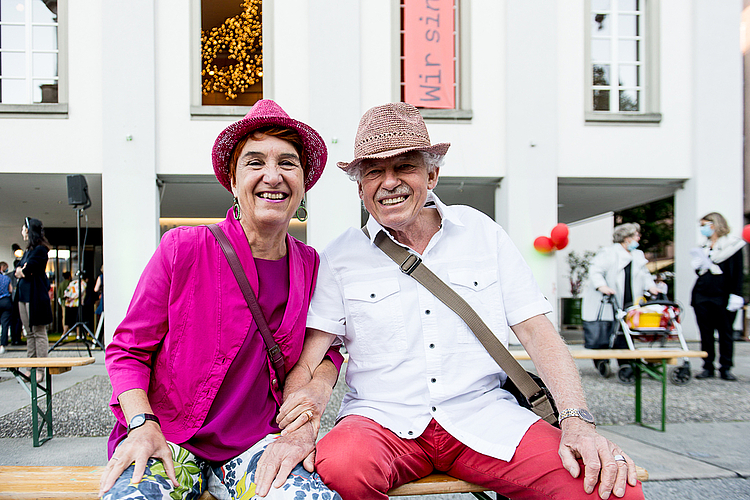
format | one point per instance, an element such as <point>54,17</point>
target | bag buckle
<point>410,264</point>
<point>274,351</point>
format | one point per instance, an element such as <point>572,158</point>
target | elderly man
<point>425,395</point>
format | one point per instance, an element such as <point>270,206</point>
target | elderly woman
<point>717,293</point>
<point>33,290</point>
<point>195,389</point>
<point>618,270</point>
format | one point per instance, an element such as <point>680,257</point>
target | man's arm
<point>579,439</point>
<point>307,387</point>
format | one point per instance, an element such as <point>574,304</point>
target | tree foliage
<point>657,223</point>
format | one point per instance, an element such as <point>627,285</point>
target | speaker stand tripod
<point>80,323</point>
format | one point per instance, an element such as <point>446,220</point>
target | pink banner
<point>429,69</point>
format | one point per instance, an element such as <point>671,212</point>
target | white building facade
<point>563,110</point>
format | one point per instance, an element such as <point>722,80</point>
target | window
<point>29,54</point>
<point>431,59</point>
<point>620,70</point>
<point>231,53</point>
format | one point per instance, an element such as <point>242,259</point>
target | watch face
<point>137,421</point>
<point>588,417</point>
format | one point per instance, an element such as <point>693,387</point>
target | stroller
<point>652,321</point>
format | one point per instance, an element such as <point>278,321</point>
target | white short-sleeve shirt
<point>411,358</point>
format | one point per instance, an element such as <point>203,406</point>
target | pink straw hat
<point>390,130</point>
<point>267,112</point>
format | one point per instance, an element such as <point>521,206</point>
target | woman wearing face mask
<point>717,292</point>
<point>619,270</point>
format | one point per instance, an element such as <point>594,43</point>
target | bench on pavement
<point>40,391</point>
<point>653,362</point>
<point>82,483</point>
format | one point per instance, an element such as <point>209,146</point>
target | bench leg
<point>658,372</point>
<point>484,496</point>
<point>36,411</point>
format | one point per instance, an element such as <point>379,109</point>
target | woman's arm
<point>141,444</point>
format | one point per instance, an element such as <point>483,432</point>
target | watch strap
<point>146,418</point>
<point>577,412</point>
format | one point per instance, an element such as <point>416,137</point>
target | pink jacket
<point>187,321</point>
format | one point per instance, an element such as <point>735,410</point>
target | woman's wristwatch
<point>140,419</point>
<point>581,413</point>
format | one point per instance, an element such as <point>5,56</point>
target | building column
<point>527,199</point>
<point>717,178</point>
<point>130,201</point>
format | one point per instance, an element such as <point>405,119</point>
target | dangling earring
<point>236,209</point>
<point>301,212</point>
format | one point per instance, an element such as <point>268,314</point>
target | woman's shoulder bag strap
<point>274,351</point>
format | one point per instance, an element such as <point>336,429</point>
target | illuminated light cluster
<point>240,40</point>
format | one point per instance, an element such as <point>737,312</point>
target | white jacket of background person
<point>608,269</point>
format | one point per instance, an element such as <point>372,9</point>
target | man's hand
<point>580,440</point>
<point>304,405</point>
<point>282,455</point>
<point>143,443</point>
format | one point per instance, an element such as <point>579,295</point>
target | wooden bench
<point>82,483</point>
<point>651,361</point>
<point>40,391</point>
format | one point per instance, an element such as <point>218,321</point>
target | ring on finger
<point>308,414</point>
<point>620,458</point>
<point>114,458</point>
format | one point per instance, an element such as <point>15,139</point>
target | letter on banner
<point>429,53</point>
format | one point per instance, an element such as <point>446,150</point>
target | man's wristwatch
<point>584,415</point>
<point>140,419</point>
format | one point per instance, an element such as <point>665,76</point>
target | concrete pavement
<point>689,458</point>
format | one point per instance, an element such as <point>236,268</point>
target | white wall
<point>586,235</point>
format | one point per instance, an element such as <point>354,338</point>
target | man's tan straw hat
<point>390,130</point>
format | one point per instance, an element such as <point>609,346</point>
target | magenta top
<point>243,401</point>
<point>187,324</point>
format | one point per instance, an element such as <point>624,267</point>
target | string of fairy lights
<point>240,40</point>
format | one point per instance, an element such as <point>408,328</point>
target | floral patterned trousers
<point>234,480</point>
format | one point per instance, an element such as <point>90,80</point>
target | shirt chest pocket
<point>375,318</point>
<point>481,290</point>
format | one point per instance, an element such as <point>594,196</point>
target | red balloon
<point>562,243</point>
<point>543,244</point>
<point>559,233</point>
<point>746,233</point>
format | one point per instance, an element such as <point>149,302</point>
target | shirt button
<point>432,346</point>
<point>427,311</point>
<point>476,284</point>
<point>411,433</point>
<point>433,380</point>
<point>372,295</point>
<point>274,383</point>
<point>434,409</point>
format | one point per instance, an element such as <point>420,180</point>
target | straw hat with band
<point>264,113</point>
<point>390,130</point>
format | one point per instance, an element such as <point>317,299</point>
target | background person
<point>33,290</point>
<point>618,270</point>
<point>193,387</point>
<point>6,305</point>
<point>717,293</point>
<point>425,394</point>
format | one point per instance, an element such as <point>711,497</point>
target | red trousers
<point>362,460</point>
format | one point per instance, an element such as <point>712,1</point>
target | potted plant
<point>578,271</point>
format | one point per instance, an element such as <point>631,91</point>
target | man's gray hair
<point>619,233</point>
<point>431,160</point>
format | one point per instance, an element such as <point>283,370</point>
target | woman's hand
<point>606,290</point>
<point>141,444</point>
<point>282,455</point>
<point>19,272</point>
<point>304,405</point>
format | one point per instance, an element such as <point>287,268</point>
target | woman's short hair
<point>721,228</point>
<point>619,233</point>
<point>431,160</point>
<point>287,134</point>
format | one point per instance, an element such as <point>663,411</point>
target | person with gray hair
<point>617,271</point>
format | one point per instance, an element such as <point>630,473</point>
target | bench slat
<point>45,362</point>
<point>66,483</point>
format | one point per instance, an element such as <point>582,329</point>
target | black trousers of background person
<point>714,317</point>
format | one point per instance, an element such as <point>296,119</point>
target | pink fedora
<point>390,130</point>
<point>267,112</point>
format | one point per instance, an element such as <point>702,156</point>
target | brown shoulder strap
<point>274,351</point>
<point>412,265</point>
